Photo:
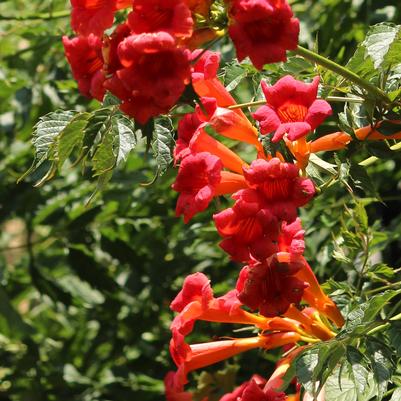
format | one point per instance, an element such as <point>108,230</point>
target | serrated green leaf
<point>341,387</point>
<point>47,129</point>
<point>305,365</point>
<point>124,128</point>
<point>71,137</point>
<point>162,145</point>
<point>379,51</point>
<point>359,318</point>
<point>380,358</point>
<point>98,124</point>
<point>44,137</point>
<point>358,372</point>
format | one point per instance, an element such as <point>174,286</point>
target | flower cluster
<point>261,229</point>
<point>146,61</point>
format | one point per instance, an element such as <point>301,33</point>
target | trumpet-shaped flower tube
<point>205,354</point>
<point>301,149</point>
<point>373,133</point>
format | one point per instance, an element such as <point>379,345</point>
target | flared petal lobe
<point>196,181</point>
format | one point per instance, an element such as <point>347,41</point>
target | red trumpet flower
<point>291,108</point>
<point>263,30</point>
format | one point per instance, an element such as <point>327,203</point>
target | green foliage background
<point>85,289</point>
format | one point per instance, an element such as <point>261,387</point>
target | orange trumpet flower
<point>301,149</point>
<point>206,354</point>
<point>372,133</point>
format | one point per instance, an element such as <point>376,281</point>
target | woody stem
<point>344,72</point>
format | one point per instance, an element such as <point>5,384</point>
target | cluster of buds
<point>146,61</point>
<point>276,291</point>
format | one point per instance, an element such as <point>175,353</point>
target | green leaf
<point>126,138</point>
<point>163,144</point>
<point>341,387</point>
<point>233,75</point>
<point>71,137</point>
<point>381,362</point>
<point>46,131</point>
<point>395,336</point>
<point>359,373</point>
<point>359,318</point>
<point>305,365</point>
<point>361,179</point>
<point>44,137</point>
<point>380,50</point>
<point>98,124</point>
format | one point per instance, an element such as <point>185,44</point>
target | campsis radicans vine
<point>147,61</point>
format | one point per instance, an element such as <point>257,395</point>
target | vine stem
<point>43,16</point>
<point>344,72</point>
<point>328,98</point>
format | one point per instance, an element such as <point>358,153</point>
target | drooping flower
<point>95,16</point>
<point>291,108</point>
<point>263,30</point>
<point>84,54</point>
<point>248,227</point>
<point>197,178</point>
<point>271,286</point>
<point>281,186</point>
<point>253,390</point>
<point>196,302</point>
<point>316,297</point>
<point>171,16</point>
<point>154,74</point>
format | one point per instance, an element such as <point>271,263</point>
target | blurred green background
<point>85,289</point>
